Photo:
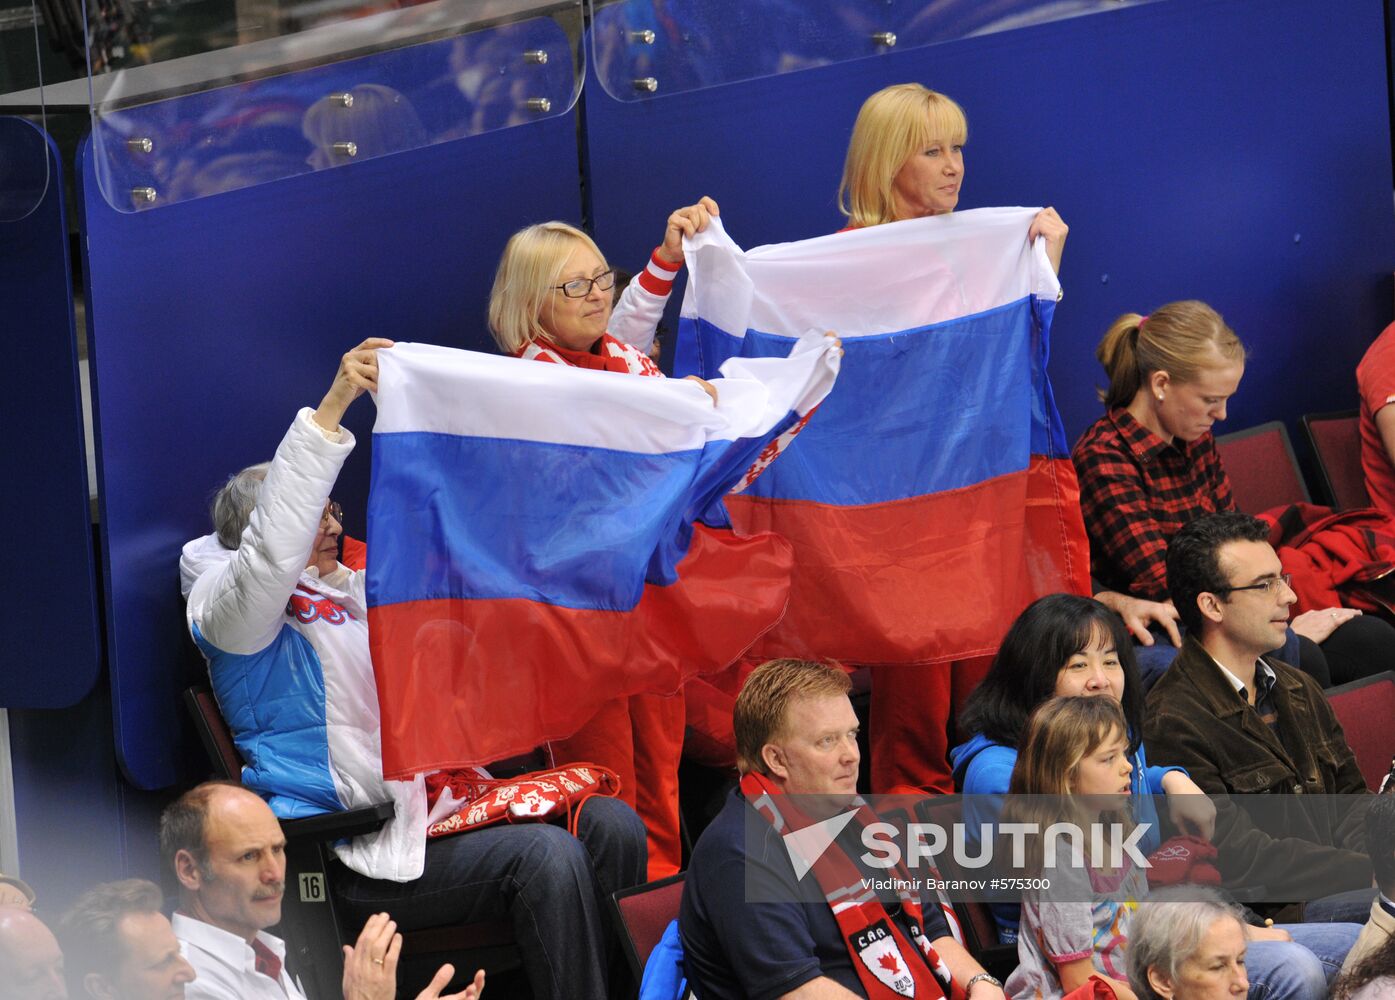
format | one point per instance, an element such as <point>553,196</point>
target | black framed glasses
<point>332,511</point>
<point>1270,586</point>
<point>579,288</point>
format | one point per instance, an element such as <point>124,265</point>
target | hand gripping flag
<point>931,497</point>
<point>541,539</point>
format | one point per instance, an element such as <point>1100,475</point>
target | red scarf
<point>886,962</point>
<point>610,355</point>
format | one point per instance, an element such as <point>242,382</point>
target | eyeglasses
<point>1270,586</point>
<point>332,511</point>
<point>579,288</point>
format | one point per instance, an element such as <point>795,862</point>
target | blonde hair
<point>528,270</point>
<point>1060,734</point>
<point>894,124</point>
<point>1178,339</point>
<point>761,706</point>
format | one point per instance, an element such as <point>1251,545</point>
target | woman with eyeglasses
<point>1150,465</point>
<point>551,302</point>
<point>552,297</point>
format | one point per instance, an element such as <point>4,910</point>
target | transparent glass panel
<point>216,95</point>
<point>25,164</point>
<point>647,48</point>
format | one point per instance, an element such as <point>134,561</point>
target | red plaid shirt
<point>1136,492</point>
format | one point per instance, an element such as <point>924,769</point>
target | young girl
<point>1074,767</point>
<point>1065,645</point>
<point>1076,753</point>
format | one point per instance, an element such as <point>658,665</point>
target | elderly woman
<point>552,302</point>
<point>283,626</point>
<point>1150,465</point>
<point>906,161</point>
<point>1187,943</point>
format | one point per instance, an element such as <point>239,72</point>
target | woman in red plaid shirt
<point>1150,465</point>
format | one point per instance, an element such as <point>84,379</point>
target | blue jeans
<point>1300,969</point>
<point>549,886</point>
<point>1353,906</point>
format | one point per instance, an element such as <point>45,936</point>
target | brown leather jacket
<point>1310,845</point>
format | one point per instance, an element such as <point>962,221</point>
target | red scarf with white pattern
<point>609,355</point>
<point>888,965</point>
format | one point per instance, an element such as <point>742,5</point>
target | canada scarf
<point>886,963</point>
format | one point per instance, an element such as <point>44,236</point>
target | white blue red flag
<point>543,538</point>
<point>932,496</point>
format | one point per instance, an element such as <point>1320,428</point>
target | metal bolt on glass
<point>541,104</point>
<point>344,100</point>
<point>140,145</point>
<point>887,38</point>
<point>537,57</point>
<point>143,195</point>
<point>644,37</point>
<point>646,84</point>
<point>349,149</point>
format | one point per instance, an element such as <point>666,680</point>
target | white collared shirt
<point>227,966</point>
<point>1261,669</point>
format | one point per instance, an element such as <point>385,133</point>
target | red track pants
<point>911,722</point>
<point>640,738</point>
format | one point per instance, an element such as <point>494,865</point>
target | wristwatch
<point>982,977</point>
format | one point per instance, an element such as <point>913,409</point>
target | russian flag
<point>932,496</point>
<point>542,539</point>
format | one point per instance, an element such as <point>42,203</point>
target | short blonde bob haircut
<point>528,271</point>
<point>1181,338</point>
<point>759,715</point>
<point>894,124</point>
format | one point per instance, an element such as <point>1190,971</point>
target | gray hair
<point>1167,930</point>
<point>232,505</point>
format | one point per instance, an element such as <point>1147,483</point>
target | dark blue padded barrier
<point>213,320</point>
<point>1233,152</point>
<point>48,599</point>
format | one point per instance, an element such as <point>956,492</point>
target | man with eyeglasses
<point>1241,721</point>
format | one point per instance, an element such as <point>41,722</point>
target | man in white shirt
<point>226,848</point>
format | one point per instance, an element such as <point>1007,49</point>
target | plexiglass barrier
<point>643,49</point>
<point>24,153</point>
<point>280,89</point>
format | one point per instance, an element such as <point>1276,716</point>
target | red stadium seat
<point>1263,472</point>
<point>1365,709</point>
<point>1336,441</point>
<point>642,914</point>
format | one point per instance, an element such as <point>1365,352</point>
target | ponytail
<point>1118,353</point>
<point>1179,338</point>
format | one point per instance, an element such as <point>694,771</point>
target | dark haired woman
<point>1066,645</point>
<point>1373,978</point>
